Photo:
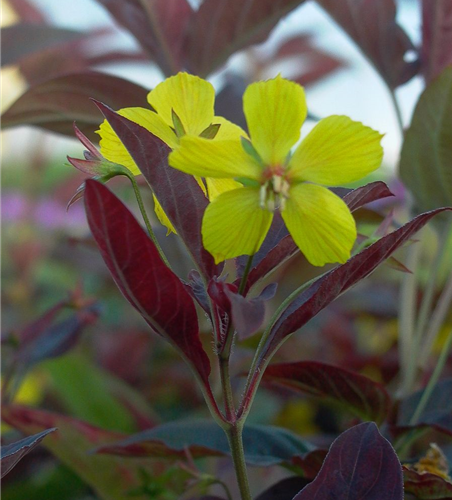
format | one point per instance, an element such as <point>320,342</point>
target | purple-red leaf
<point>142,276</point>
<point>426,486</point>
<point>357,393</point>
<point>12,453</point>
<point>279,245</point>
<point>361,464</point>
<point>219,29</point>
<point>159,26</point>
<point>110,477</point>
<point>333,284</point>
<point>56,339</point>
<point>179,194</point>
<point>57,103</point>
<point>436,37</point>
<point>23,39</point>
<point>372,25</point>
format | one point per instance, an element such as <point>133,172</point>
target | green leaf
<point>87,393</point>
<point>426,160</point>
<point>264,445</point>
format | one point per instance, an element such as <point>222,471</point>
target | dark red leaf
<point>426,486</point>
<point>110,477</point>
<point>143,278</point>
<point>159,26</point>
<point>357,393</point>
<point>12,453</point>
<point>333,284</point>
<point>279,245</point>
<point>284,489</point>
<point>179,194</point>
<point>361,464</point>
<point>57,103</point>
<point>22,39</point>
<point>27,12</point>
<point>372,25</point>
<point>436,37</point>
<point>219,29</point>
<point>438,412</point>
<point>310,463</point>
<point>56,339</point>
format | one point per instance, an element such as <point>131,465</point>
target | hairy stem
<point>234,434</point>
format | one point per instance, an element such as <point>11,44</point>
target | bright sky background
<point>356,91</point>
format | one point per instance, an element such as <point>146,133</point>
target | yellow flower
<point>181,105</point>
<point>338,150</point>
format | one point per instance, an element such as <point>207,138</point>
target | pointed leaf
<point>22,39</point>
<point>279,245</point>
<point>159,26</point>
<point>352,391</point>
<point>425,162</point>
<point>12,453</point>
<point>426,486</point>
<point>110,477</point>
<point>264,445</point>
<point>143,278</point>
<point>55,340</point>
<point>333,284</point>
<point>55,104</point>
<point>438,412</point>
<point>361,464</point>
<point>219,29</point>
<point>372,25</point>
<point>179,194</point>
<point>436,37</point>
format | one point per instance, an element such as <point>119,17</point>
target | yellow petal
<point>234,224</point>
<point>228,130</point>
<point>214,158</point>
<point>190,97</point>
<point>274,110</point>
<point>217,186</point>
<point>336,151</point>
<point>114,150</point>
<point>320,224</point>
<point>162,217</point>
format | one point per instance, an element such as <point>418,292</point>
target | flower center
<point>274,193</point>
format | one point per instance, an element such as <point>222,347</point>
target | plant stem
<point>250,386</point>
<point>433,380</point>
<point>437,319</point>
<point>146,220</point>
<point>234,434</point>
<point>397,109</point>
<point>245,274</point>
<point>406,322</point>
<point>228,397</point>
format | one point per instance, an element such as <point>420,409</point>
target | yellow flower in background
<point>182,105</point>
<point>338,150</point>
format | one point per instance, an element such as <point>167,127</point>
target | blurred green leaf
<point>426,160</point>
<point>86,392</point>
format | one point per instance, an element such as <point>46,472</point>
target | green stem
<point>402,444</point>
<point>433,380</point>
<point>397,109</point>
<point>246,271</point>
<point>146,220</point>
<point>406,322</point>
<point>436,321</point>
<point>228,397</point>
<point>427,299</point>
<point>234,434</point>
<point>247,398</point>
